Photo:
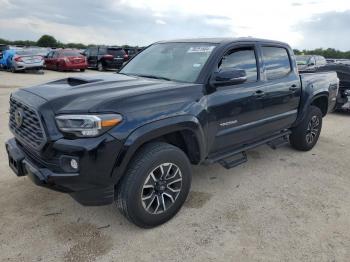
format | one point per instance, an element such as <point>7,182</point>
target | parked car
<point>26,59</point>
<point>311,64</point>
<point>2,49</point>
<point>131,52</point>
<point>132,136</point>
<point>105,57</point>
<point>65,59</point>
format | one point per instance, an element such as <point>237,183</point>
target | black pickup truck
<point>132,136</point>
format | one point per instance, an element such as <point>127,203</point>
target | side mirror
<point>228,76</point>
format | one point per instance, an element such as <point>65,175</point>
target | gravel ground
<point>281,205</point>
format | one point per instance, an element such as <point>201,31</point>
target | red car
<point>65,59</point>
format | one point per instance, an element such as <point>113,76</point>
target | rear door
<point>92,56</point>
<point>282,87</point>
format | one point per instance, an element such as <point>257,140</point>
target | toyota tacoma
<point>131,137</point>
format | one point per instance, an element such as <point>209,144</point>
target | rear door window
<point>276,61</point>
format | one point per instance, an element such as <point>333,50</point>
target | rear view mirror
<point>229,76</point>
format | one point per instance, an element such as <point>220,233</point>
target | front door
<point>236,110</point>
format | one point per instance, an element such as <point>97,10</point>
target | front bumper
<point>92,184</point>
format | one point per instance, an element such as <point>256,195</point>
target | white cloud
<point>160,22</point>
<point>135,21</point>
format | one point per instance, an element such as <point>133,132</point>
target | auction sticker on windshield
<point>200,49</point>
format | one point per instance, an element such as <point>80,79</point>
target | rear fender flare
<point>305,107</point>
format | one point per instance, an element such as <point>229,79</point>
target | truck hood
<point>111,93</point>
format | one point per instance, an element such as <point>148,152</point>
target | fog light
<point>74,164</point>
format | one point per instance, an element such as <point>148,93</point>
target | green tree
<point>47,41</point>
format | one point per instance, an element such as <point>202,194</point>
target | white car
<point>26,60</point>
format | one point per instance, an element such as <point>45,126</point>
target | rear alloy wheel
<point>313,130</point>
<point>155,185</point>
<point>306,134</point>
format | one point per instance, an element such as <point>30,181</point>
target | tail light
<point>108,57</point>
<point>18,59</point>
<point>126,56</point>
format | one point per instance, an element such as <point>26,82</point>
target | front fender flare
<point>153,130</point>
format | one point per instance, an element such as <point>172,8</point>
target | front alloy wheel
<point>161,188</point>
<point>155,186</point>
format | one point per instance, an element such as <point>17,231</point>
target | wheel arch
<point>320,101</point>
<point>184,132</point>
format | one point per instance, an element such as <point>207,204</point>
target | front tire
<point>305,136</point>
<point>155,185</point>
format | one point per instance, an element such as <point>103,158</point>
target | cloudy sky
<point>301,23</point>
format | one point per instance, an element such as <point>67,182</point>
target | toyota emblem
<point>19,117</point>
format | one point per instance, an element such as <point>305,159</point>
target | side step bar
<point>238,156</point>
<point>232,161</point>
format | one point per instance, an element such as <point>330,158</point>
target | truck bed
<point>322,82</point>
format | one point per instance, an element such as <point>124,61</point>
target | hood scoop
<point>75,81</point>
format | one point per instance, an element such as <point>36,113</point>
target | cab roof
<point>221,40</point>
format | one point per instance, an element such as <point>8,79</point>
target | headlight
<point>87,125</point>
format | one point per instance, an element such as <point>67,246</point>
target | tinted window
<point>70,53</point>
<point>102,51</point>
<point>312,61</point>
<point>276,62</point>
<point>131,52</point>
<point>321,61</point>
<point>50,54</point>
<point>116,52</point>
<point>93,51</point>
<point>241,59</point>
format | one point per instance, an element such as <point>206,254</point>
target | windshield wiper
<point>154,77</point>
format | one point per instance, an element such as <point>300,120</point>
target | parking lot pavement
<point>14,80</point>
<point>281,205</point>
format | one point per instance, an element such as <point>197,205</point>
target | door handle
<point>293,87</point>
<point>259,93</point>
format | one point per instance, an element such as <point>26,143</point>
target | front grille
<point>30,131</point>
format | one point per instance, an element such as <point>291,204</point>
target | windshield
<point>172,61</point>
<point>302,59</point>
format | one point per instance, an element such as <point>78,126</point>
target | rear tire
<point>100,67</point>
<point>155,185</point>
<point>13,69</point>
<point>305,136</point>
<point>82,70</point>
